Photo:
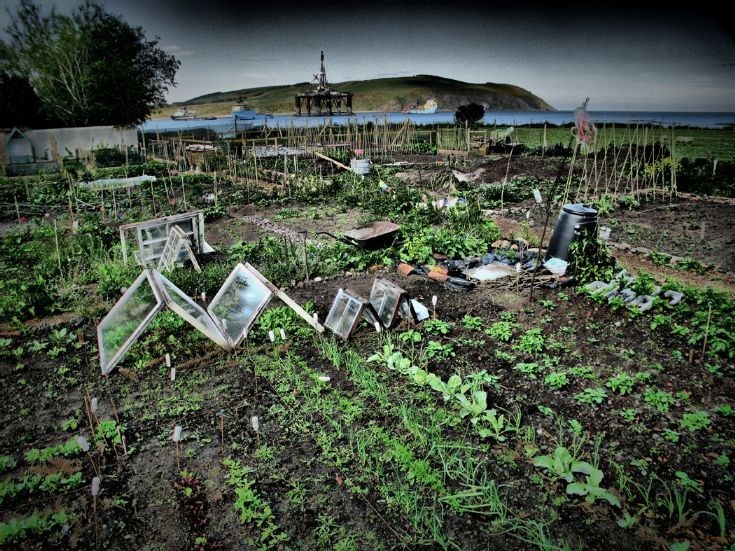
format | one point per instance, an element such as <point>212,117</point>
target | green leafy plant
<point>473,322</point>
<point>590,488</point>
<point>695,421</point>
<point>7,462</point>
<point>592,396</point>
<point>252,508</point>
<point>410,336</point>
<point>531,369</point>
<point>688,484</point>
<point>561,464</point>
<point>501,330</point>
<point>437,351</point>
<point>532,342</point>
<point>590,259</point>
<point>660,400</point>
<point>437,327</point>
<point>621,383</point>
<point>497,425</point>
<point>556,380</point>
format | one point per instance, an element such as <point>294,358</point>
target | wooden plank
<point>331,160</point>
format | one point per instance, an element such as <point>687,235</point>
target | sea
<point>225,127</point>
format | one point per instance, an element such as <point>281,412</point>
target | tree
<point>471,113</point>
<point>19,104</point>
<point>90,67</point>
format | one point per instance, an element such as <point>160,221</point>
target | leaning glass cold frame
<point>344,314</point>
<point>191,311</point>
<point>149,237</point>
<point>238,303</point>
<point>120,328</point>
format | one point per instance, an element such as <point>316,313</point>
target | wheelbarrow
<point>370,236</point>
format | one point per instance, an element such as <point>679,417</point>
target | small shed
<point>19,148</point>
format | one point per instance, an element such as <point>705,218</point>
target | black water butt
<point>574,218</point>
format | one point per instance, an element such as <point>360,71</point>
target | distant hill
<point>382,94</point>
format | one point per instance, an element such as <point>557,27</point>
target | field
<point>524,413</point>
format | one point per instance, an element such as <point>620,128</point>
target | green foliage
<point>67,449</point>
<point>590,488</point>
<point>252,508</point>
<point>437,327</point>
<point>590,260</point>
<point>562,465</point>
<point>660,400</point>
<point>473,322</point>
<point>107,429</point>
<point>18,529</point>
<point>501,330</point>
<point>437,351</point>
<point>592,396</point>
<point>464,236</point>
<point>410,336</point>
<point>470,113</point>
<point>532,342</point>
<point>687,483</point>
<point>556,380</point>
<point>282,317</point>
<point>121,76</point>
<point>50,483</point>
<point>695,421</point>
<point>621,383</point>
<point>531,369</point>
<point>7,462</point>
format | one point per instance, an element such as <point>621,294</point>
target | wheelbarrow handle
<point>342,239</point>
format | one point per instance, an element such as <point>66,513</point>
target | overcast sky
<point>627,58</point>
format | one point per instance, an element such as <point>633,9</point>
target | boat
<point>245,117</point>
<point>184,114</point>
<point>242,111</point>
<point>429,108</point>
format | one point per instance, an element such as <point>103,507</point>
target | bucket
<point>574,218</point>
<point>360,166</point>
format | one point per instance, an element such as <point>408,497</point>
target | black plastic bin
<point>574,218</point>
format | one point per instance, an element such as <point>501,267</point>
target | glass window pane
<point>344,314</point>
<point>191,311</point>
<point>126,321</point>
<point>154,233</point>
<point>384,296</point>
<point>238,303</point>
<point>187,226</point>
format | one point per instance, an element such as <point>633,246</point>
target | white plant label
<point>83,443</point>
<point>177,433</point>
<point>168,359</point>
<point>173,373</point>
<point>272,336</point>
<point>96,485</point>
<point>255,422</point>
<point>283,335</point>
